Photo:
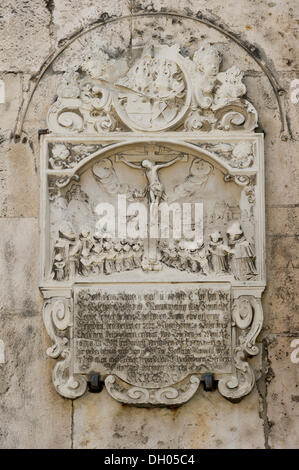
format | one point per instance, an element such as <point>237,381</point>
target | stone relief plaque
<point>152,209</point>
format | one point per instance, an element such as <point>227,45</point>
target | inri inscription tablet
<point>152,252</point>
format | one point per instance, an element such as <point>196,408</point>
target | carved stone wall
<point>156,88</point>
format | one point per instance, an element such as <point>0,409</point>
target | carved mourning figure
<point>62,247</point>
<point>196,181</point>
<point>105,174</point>
<point>242,256</point>
<point>153,314</point>
<point>218,253</point>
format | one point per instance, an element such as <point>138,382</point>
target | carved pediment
<point>162,90</point>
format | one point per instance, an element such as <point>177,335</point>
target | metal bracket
<point>95,384</point>
<point>209,383</point>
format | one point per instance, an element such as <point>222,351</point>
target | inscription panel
<point>152,336</point>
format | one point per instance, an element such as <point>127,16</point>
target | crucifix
<point>154,190</point>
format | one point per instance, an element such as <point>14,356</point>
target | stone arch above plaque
<point>131,171</point>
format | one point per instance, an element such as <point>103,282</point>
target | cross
<point>151,154</point>
<point>164,155</point>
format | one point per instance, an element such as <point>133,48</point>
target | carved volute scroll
<point>149,311</point>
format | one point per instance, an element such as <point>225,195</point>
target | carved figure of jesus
<point>155,188</point>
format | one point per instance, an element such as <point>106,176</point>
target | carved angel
<point>199,174</point>
<point>105,174</point>
<point>230,88</point>
<point>207,60</point>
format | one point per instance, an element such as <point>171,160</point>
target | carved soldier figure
<point>173,256</point>
<point>242,256</point>
<point>183,257</point>
<point>218,252</point>
<point>163,251</point>
<point>74,257</point>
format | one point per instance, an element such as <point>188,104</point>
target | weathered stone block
<point>13,98</point>
<point>101,422</point>
<point>83,13</point>
<point>31,414</point>
<point>19,266</point>
<point>282,395</point>
<point>280,301</point>
<point>256,22</point>
<point>20,191</point>
<point>112,40</point>
<point>24,35</point>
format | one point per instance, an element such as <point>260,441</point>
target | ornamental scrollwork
<point>247,316</point>
<point>176,394</point>
<point>58,321</point>
<point>162,90</point>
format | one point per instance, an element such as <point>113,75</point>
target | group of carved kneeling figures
<point>235,257</point>
<point>88,254</point>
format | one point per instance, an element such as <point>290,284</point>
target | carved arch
<point>105,151</point>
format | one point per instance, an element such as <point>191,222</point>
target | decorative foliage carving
<point>58,182</point>
<point>239,155</point>
<point>67,156</point>
<point>58,321</point>
<point>242,180</point>
<point>236,115</point>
